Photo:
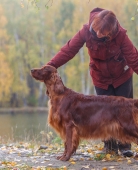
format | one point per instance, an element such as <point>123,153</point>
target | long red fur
<point>77,116</point>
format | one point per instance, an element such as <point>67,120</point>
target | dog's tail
<point>135,111</point>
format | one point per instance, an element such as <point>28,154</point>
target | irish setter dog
<point>77,116</point>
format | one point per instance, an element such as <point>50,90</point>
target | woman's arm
<point>69,50</point>
<point>130,53</point>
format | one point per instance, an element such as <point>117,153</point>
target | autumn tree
<point>5,70</point>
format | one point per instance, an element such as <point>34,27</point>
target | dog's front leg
<point>65,151</point>
<point>72,142</point>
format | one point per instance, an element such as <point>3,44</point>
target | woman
<point>113,58</point>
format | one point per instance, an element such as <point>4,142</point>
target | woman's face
<point>101,35</point>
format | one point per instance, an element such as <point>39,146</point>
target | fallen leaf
<point>13,163</point>
<point>73,162</point>
<point>129,162</point>
<point>108,156</point>
<point>87,166</point>
<point>132,18</point>
<point>90,159</point>
<point>100,149</point>
<point>89,150</point>
<point>49,164</point>
<point>104,168</point>
<point>82,151</point>
<point>111,167</point>
<point>64,167</point>
<point>81,159</point>
<point>136,149</point>
<point>98,155</point>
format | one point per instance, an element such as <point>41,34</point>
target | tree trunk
<point>81,52</point>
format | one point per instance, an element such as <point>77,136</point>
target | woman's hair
<point>105,22</point>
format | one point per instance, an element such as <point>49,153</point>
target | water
<point>23,126</point>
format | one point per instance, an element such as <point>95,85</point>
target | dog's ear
<point>47,92</point>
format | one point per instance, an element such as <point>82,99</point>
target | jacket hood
<point>92,15</point>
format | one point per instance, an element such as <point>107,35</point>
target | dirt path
<point>25,156</point>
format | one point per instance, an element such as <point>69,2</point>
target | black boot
<point>125,149</point>
<point>111,146</point>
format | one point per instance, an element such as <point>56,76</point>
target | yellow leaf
<point>64,168</point>
<point>90,159</point>
<point>129,162</point>
<point>5,163</point>
<point>82,150</point>
<point>108,156</point>
<point>136,149</point>
<point>100,149</point>
<point>38,168</point>
<point>89,150</point>
<point>13,163</point>
<point>95,146</point>
<point>49,168</point>
<point>73,162</point>
<point>120,159</point>
<point>132,18</point>
<point>98,155</point>
<point>104,168</point>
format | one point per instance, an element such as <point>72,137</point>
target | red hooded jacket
<point>111,62</point>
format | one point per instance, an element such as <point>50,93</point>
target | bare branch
<point>47,4</point>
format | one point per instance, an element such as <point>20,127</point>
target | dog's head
<point>44,73</point>
<point>48,74</point>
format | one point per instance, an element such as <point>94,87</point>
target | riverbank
<point>23,109</point>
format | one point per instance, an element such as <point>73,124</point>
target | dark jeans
<point>125,90</point>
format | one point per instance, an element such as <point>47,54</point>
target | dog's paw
<point>58,157</point>
<point>64,158</point>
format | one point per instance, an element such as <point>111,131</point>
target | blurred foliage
<point>5,79</point>
<point>30,35</point>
